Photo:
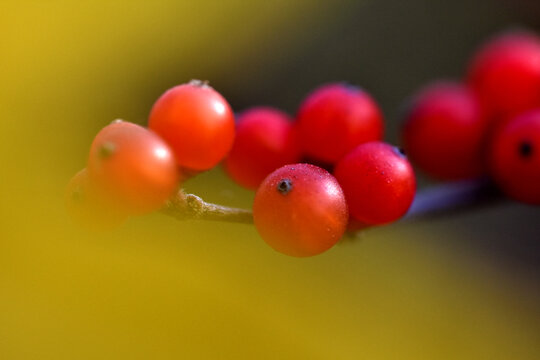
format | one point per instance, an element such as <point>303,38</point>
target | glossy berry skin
<point>334,119</point>
<point>86,206</point>
<point>378,182</point>
<point>133,167</point>
<point>505,73</point>
<point>265,140</point>
<point>196,122</point>
<point>515,157</point>
<point>300,210</point>
<point>445,131</point>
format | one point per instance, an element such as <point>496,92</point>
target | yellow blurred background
<point>161,289</point>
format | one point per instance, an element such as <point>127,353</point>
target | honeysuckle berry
<point>378,182</point>
<point>133,167</point>
<point>265,140</point>
<point>334,119</point>
<point>505,74</point>
<point>515,157</point>
<point>445,131</point>
<point>88,208</point>
<point>300,210</point>
<point>196,122</point>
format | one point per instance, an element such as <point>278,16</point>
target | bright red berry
<point>300,210</point>
<point>133,167</point>
<point>197,123</point>
<point>378,182</point>
<point>334,119</point>
<point>265,140</point>
<point>88,208</point>
<point>505,73</point>
<point>444,132</point>
<point>515,157</point>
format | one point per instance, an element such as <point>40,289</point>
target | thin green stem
<point>434,202</point>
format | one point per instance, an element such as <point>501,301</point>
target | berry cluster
<point>300,209</point>
<point>132,170</point>
<point>326,170</point>
<point>488,125</point>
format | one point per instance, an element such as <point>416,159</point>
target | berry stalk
<point>184,206</point>
<point>433,202</point>
<point>453,198</point>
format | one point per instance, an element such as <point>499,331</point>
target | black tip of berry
<point>106,150</point>
<point>525,149</point>
<point>199,83</point>
<point>351,87</point>
<point>76,196</point>
<point>284,186</point>
<point>400,151</point>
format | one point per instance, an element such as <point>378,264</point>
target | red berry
<point>300,210</point>
<point>515,157</point>
<point>197,122</point>
<point>133,167</point>
<point>265,140</point>
<point>378,183</point>
<point>505,73</point>
<point>86,206</point>
<point>334,119</point>
<point>444,132</point>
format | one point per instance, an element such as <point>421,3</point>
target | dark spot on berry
<point>525,149</point>
<point>352,89</point>
<point>77,195</point>
<point>400,151</point>
<point>284,186</point>
<point>106,150</point>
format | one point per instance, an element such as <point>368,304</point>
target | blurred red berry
<point>196,122</point>
<point>505,73</point>
<point>133,167</point>
<point>88,208</point>
<point>378,182</point>
<point>515,157</point>
<point>334,119</point>
<point>300,210</point>
<point>265,140</point>
<point>444,132</point>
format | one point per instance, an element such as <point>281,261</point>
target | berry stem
<point>434,202</point>
<point>452,198</point>
<point>191,207</point>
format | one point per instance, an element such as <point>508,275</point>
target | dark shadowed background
<point>462,287</point>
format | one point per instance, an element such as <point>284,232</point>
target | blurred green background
<point>465,287</point>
